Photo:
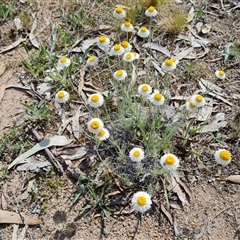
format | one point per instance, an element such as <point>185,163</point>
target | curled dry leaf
<point>207,29</point>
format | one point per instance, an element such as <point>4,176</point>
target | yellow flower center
<point>117,47</point>
<point>199,98</point>
<point>63,59</point>
<point>174,59</point>
<point>158,96</point>
<point>125,44</point>
<point>102,39</point>
<point>95,125</point>
<point>143,29</point>
<point>151,9</point>
<point>221,72</point>
<point>119,10</point>
<point>191,105</point>
<point>136,153</point>
<point>169,62</point>
<point>170,160</point>
<point>127,24</point>
<point>120,73</point>
<point>128,55</point>
<point>225,155</point>
<point>95,98</point>
<point>91,58</point>
<point>141,200</point>
<point>145,88</point>
<point>61,94</point>
<point>101,133</point>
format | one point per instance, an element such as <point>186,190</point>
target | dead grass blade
<point>81,85</point>
<point>166,213</point>
<point>2,91</point>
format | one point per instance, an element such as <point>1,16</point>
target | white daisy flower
<point>92,61</point>
<point>62,97</point>
<point>95,125</point>
<point>128,57</point>
<point>169,162</point>
<point>120,75</point>
<point>95,100</point>
<point>143,32</point>
<point>191,107</point>
<point>144,90</point>
<point>136,55</point>
<point>103,134</point>
<point>197,100</point>
<point>156,98</point>
<point>223,157</point>
<point>169,65</point>
<point>119,13</point>
<point>220,74</point>
<point>136,154</point>
<point>103,43</point>
<point>175,60</point>
<point>126,45</point>
<point>127,27</point>
<point>151,12</point>
<point>63,62</point>
<point>116,50</point>
<point>141,201</point>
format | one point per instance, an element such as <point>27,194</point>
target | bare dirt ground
<point>213,211</point>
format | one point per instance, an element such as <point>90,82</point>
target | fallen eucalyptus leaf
<point>2,67</point>
<point>53,141</point>
<point>73,154</point>
<point>33,166</point>
<point>13,45</point>
<point>233,178</point>
<point>158,47</point>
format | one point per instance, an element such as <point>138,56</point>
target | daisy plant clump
<point>197,100</point>
<point>103,134</point>
<point>92,61</point>
<point>143,32</point>
<point>223,157</point>
<point>95,100</point>
<point>169,162</point>
<point>127,27</point>
<point>63,62</point>
<point>126,46</point>
<point>62,97</point>
<point>119,13</point>
<point>95,125</point>
<point>141,201</point>
<point>151,12</point>
<point>103,43</point>
<point>169,65</point>
<point>136,154</point>
<point>144,90</point>
<point>156,98</point>
<point>116,50</point>
<point>220,74</point>
<point>120,75</point>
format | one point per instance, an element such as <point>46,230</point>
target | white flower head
<point>92,61</point>
<point>220,74</point>
<point>127,27</point>
<point>119,13</point>
<point>191,107</point>
<point>169,65</point>
<point>127,46</point>
<point>63,62</point>
<point>151,12</point>
<point>175,60</point>
<point>223,157</point>
<point>120,75</point>
<point>136,154</point>
<point>128,57</point>
<point>95,100</point>
<point>116,50</point>
<point>156,98</point>
<point>103,134</point>
<point>103,43</point>
<point>141,201</point>
<point>95,125</point>
<point>144,90</point>
<point>197,100</point>
<point>143,32</point>
<point>136,55</point>
<point>62,97</point>
<point>169,162</point>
